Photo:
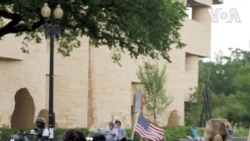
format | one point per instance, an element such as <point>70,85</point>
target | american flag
<point>147,129</point>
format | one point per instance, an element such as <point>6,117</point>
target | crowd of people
<point>115,132</point>
<point>215,130</point>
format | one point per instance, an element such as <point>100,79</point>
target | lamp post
<point>52,30</point>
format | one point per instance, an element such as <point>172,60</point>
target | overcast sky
<point>234,34</point>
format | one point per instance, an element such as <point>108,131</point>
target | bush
<point>176,132</point>
<point>242,132</point>
<point>129,132</point>
<point>6,133</point>
<point>171,133</point>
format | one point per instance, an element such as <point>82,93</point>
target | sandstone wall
<point>88,87</point>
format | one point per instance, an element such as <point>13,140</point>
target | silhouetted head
<point>74,135</point>
<point>118,122</point>
<point>40,122</point>
<point>111,125</point>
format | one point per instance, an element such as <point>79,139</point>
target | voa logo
<point>228,16</point>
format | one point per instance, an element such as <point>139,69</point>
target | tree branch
<point>7,15</point>
<point>13,27</point>
<point>7,28</point>
<point>23,27</point>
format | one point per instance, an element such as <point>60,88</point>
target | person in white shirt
<point>121,131</point>
<point>112,133</point>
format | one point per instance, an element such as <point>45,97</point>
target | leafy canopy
<point>228,81</point>
<point>142,27</point>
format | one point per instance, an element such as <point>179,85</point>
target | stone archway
<point>24,112</point>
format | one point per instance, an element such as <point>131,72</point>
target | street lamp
<point>51,30</point>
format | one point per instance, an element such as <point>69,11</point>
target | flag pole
<point>138,109</point>
<point>136,120</point>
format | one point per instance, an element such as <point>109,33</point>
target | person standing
<point>121,131</point>
<point>194,134</point>
<point>112,134</point>
<point>41,132</point>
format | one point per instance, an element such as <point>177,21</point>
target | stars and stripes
<point>147,129</point>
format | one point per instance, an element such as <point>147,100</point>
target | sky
<point>228,33</point>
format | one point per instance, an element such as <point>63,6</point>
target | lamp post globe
<point>58,12</point>
<point>45,11</point>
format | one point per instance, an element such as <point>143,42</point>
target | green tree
<point>228,75</point>
<point>141,27</point>
<point>154,81</point>
<point>217,76</point>
<point>241,81</point>
<point>234,107</point>
<point>229,85</point>
<point>193,107</point>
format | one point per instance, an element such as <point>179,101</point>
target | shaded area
<point>23,114</point>
<point>206,110</point>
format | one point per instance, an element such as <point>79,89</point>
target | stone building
<point>88,87</point>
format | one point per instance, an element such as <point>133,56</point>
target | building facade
<point>89,87</point>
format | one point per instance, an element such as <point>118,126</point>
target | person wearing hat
<point>41,132</point>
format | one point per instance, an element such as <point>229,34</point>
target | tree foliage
<point>141,27</point>
<point>154,81</point>
<point>193,107</point>
<point>229,85</point>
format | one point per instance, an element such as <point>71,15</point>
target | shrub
<point>171,133</point>
<point>6,133</point>
<point>176,132</point>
